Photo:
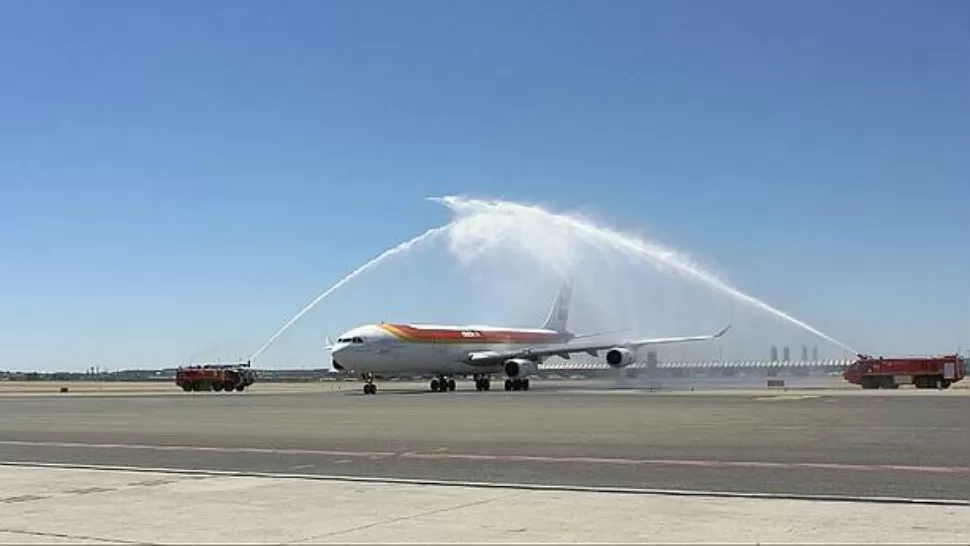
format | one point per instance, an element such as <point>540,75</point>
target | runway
<point>897,444</point>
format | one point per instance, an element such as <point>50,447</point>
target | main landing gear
<point>369,386</point>
<point>482,382</point>
<point>442,384</point>
<point>445,384</point>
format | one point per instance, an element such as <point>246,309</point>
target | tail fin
<point>559,314</point>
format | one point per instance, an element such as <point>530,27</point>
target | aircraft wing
<point>484,358</point>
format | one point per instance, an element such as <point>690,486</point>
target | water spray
<point>479,223</point>
<point>374,262</point>
<point>657,255</point>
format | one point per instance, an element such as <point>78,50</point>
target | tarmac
<point>565,461</point>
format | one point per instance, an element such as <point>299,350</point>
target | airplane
<point>376,350</point>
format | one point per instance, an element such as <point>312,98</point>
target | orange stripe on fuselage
<point>439,335</point>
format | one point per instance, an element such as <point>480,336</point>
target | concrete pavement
<point>50,505</point>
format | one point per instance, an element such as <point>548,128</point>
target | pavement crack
<point>90,490</point>
<point>404,518</point>
<point>69,536</point>
<point>23,498</point>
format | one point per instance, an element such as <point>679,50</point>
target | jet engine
<point>620,358</point>
<point>520,367</point>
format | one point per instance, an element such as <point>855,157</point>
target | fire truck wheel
<point>229,387</point>
<point>239,388</point>
<point>187,387</point>
<point>217,387</point>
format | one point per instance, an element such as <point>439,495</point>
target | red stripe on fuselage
<point>469,335</point>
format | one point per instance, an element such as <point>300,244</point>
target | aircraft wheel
<point>525,384</point>
<point>451,385</point>
<point>434,385</point>
<point>508,384</point>
<point>479,385</point>
<point>486,384</point>
<point>370,388</point>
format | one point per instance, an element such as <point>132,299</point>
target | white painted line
<point>496,485</point>
<point>443,454</point>
<point>154,447</point>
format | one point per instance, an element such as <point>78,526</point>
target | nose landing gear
<point>369,386</point>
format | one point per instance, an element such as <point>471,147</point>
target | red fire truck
<point>215,377</point>
<point>924,372</point>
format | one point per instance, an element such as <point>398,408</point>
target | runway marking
<point>494,485</point>
<point>269,451</point>
<point>785,397</point>
<point>545,459</point>
<point>690,462</point>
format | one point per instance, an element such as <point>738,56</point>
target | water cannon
<point>224,365</point>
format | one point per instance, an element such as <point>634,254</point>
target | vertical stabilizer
<point>559,314</point>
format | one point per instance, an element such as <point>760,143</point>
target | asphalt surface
<point>876,443</point>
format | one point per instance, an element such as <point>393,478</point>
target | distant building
<point>786,354</point>
<point>815,353</point>
<point>774,353</point>
<point>804,353</point>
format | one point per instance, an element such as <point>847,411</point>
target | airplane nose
<point>333,358</point>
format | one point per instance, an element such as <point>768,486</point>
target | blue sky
<point>175,173</point>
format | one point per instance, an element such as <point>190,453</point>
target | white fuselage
<point>406,349</point>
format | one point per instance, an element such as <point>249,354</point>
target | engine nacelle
<point>520,367</point>
<point>620,358</point>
